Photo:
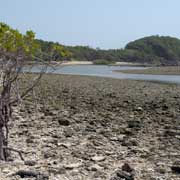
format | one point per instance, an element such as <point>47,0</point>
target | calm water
<point>108,71</point>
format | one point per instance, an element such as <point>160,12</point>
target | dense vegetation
<point>52,50</point>
<point>159,50</point>
<point>81,53</point>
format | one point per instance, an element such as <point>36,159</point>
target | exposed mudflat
<point>85,128</point>
<point>167,70</point>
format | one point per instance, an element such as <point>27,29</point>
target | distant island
<point>152,50</point>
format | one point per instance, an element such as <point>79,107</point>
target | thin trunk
<point>2,145</point>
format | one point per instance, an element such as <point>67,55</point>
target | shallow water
<point>108,71</point>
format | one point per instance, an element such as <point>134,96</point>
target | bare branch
<point>15,150</point>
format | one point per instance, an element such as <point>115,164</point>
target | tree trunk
<point>2,145</point>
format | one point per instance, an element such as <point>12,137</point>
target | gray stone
<point>176,167</point>
<point>95,167</point>
<point>30,163</point>
<point>72,166</point>
<point>98,158</point>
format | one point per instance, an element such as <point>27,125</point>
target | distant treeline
<point>158,50</point>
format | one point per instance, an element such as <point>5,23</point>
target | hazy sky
<point>97,23</point>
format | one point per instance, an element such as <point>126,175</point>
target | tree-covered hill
<point>158,50</point>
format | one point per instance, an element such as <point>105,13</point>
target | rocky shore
<point>89,128</point>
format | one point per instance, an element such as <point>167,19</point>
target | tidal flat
<point>85,128</point>
<point>163,70</point>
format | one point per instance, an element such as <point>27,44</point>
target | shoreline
<point>166,70</point>
<point>70,63</point>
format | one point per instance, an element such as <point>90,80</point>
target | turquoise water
<point>108,71</point>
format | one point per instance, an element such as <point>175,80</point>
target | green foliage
<point>59,51</point>
<point>84,53</point>
<point>12,41</point>
<point>157,49</point>
<point>55,51</point>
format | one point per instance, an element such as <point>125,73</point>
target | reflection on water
<point>108,71</point>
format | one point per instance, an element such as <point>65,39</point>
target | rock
<point>176,167</point>
<point>171,132</point>
<point>65,145</point>
<point>27,174</point>
<point>134,142</point>
<point>29,141</point>
<point>30,163</point>
<point>109,153</point>
<point>114,138</point>
<point>68,132</point>
<point>126,172</point>
<point>72,166</point>
<point>161,170</point>
<point>127,131</point>
<point>10,159</point>
<point>143,152</point>
<point>131,116</point>
<point>6,171</point>
<point>63,122</point>
<point>98,158</point>
<point>49,154</point>
<point>134,124</point>
<point>122,175</point>
<point>121,137</point>
<point>48,112</point>
<point>57,170</point>
<point>126,167</point>
<point>130,142</point>
<point>165,107</point>
<point>95,167</point>
<point>178,137</point>
<point>139,109</point>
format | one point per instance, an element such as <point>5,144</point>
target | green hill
<point>156,50</point>
<point>162,50</point>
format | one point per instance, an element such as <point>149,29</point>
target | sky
<point>106,24</point>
